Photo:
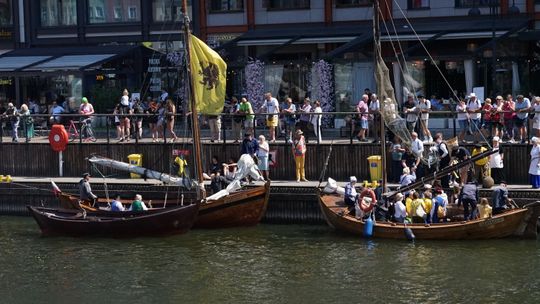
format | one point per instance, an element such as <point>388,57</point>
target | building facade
<point>54,49</point>
<point>489,46</point>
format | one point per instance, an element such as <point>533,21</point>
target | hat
<point>124,100</point>
<point>399,197</point>
<point>473,94</point>
<point>352,179</point>
<point>10,105</point>
<point>299,132</point>
<point>420,96</point>
<point>84,100</point>
<point>427,186</point>
<point>86,174</point>
<point>496,138</point>
<point>534,139</point>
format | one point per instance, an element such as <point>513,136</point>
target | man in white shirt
<point>271,106</point>
<point>417,148</point>
<point>474,108</point>
<point>424,107</point>
<point>375,116</point>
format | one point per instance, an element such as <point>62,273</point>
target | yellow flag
<point>208,74</point>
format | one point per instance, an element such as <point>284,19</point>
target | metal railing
<point>104,126</point>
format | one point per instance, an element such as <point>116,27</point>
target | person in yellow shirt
<point>481,166</point>
<point>485,209</point>
<point>427,204</point>
<point>414,205</point>
<point>181,164</point>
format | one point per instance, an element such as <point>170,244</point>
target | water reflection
<point>265,264</point>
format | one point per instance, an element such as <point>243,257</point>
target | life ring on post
<point>58,138</point>
<point>364,206</point>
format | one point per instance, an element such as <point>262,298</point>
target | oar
<point>408,232</point>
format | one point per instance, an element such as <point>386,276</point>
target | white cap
<point>473,94</point>
<point>496,138</point>
<point>352,179</point>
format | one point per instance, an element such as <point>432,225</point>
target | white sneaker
<point>512,141</point>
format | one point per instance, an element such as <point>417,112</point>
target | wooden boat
<point>241,208</point>
<point>161,221</point>
<point>520,222</point>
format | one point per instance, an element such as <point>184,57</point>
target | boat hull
<point>166,221</point>
<point>238,209</point>
<point>510,223</point>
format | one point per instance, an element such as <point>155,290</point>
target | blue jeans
<point>14,130</point>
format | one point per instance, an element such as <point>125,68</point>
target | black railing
<point>103,126</point>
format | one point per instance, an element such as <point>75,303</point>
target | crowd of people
<point>426,206</point>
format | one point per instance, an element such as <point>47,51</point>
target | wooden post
<point>377,55</point>
<point>201,194</point>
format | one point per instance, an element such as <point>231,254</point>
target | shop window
<point>287,4</point>
<point>476,3</point>
<point>115,11</point>
<point>220,6</point>
<point>58,12</point>
<point>418,4</point>
<point>168,10</point>
<point>350,3</point>
<point>6,14</point>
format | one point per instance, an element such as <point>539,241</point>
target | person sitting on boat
<point>138,204</point>
<point>399,209</point>
<point>407,178</point>
<point>427,204</point>
<point>350,193</point>
<point>438,208</point>
<point>499,199</point>
<point>469,198</point>
<point>116,205</point>
<point>85,190</point>
<point>415,208</point>
<point>485,209</point>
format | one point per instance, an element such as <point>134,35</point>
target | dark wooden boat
<point>520,222</point>
<point>161,221</point>
<point>240,208</point>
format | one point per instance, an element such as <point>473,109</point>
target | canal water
<point>264,264</point>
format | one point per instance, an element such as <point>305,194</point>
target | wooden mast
<point>201,193</point>
<point>377,56</point>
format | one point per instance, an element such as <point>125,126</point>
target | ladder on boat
<point>438,174</point>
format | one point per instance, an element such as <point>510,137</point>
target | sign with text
<point>177,152</point>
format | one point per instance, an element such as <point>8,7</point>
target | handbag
<point>441,212</point>
<point>420,212</point>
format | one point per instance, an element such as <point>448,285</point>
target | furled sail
<point>146,173</point>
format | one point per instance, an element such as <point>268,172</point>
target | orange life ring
<point>58,138</point>
<point>367,207</point>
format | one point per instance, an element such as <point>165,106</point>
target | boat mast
<point>378,60</point>
<point>201,194</point>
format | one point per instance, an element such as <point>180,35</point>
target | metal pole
<point>60,164</point>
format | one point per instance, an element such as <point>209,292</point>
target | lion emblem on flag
<point>210,75</point>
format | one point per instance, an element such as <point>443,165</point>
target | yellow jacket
<point>481,161</point>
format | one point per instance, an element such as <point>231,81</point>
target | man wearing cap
<point>523,106</point>
<point>424,107</point>
<point>474,108</point>
<point>496,161</point>
<point>350,193</point>
<point>85,190</point>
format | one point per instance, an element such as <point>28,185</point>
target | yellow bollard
<point>8,179</point>
<point>1,178</point>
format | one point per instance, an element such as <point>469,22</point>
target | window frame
<point>347,5</point>
<point>60,14</point>
<point>475,3</point>
<point>117,13</point>
<point>226,11</point>
<point>268,8</point>
<point>132,13</point>
<point>410,6</point>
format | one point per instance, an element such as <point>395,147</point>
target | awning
<point>11,63</point>
<point>357,36</point>
<point>72,59</point>
<point>70,62</point>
